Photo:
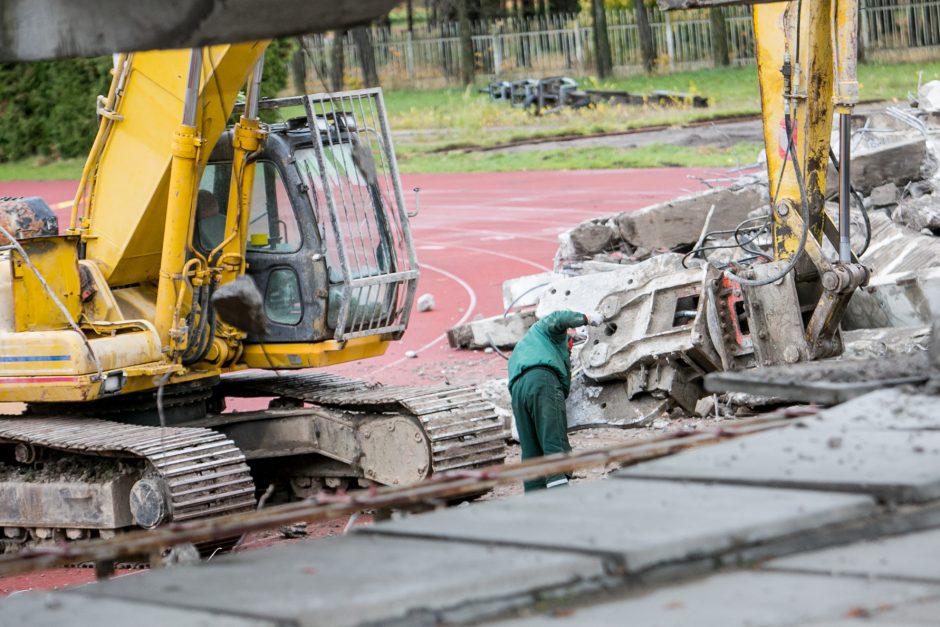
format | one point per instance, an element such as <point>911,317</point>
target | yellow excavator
<point>198,249</point>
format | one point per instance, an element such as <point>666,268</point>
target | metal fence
<point>564,44</point>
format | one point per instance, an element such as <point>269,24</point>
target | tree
<point>363,40</point>
<point>645,33</point>
<point>466,44</point>
<point>719,37</point>
<point>337,61</point>
<point>602,57</point>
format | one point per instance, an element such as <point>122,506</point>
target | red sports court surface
<point>475,231</point>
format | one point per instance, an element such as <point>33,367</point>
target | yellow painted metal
<point>328,353</point>
<point>248,138</point>
<point>845,40</point>
<point>126,205</point>
<point>778,30</point>
<point>56,258</point>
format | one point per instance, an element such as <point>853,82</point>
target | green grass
<point>596,158</point>
<point>434,127</point>
<point>41,169</point>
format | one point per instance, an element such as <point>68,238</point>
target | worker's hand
<point>595,318</point>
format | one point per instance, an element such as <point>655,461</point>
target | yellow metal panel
<point>56,258</point>
<point>286,356</point>
<point>128,204</point>
<point>775,27</point>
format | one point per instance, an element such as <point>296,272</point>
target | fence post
<point>864,19</point>
<point>497,53</point>
<point>670,41</point>
<point>410,56</point>
<point>578,48</point>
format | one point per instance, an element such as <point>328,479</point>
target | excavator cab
<point>328,242</point>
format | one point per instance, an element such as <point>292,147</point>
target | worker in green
<point>539,381</point>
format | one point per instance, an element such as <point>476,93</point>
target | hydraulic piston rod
<point>845,222</point>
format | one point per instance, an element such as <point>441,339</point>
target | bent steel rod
<point>449,485</point>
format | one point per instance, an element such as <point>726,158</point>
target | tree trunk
<point>337,61</point>
<point>719,37</point>
<point>409,7</point>
<point>298,67</point>
<point>466,44</point>
<point>363,41</point>
<point>603,61</point>
<point>645,33</point>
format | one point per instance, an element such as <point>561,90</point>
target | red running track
<point>474,232</point>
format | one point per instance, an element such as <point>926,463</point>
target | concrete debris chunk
<point>240,304</point>
<point>500,331</point>
<point>919,214</point>
<point>928,97</point>
<point>680,221</point>
<point>886,195</point>
<point>898,163</point>
<point>895,248</point>
<point>909,299</point>
<point>426,302</point>
<point>706,407</point>
<point>591,239</point>
<point>525,291</point>
<point>592,404</point>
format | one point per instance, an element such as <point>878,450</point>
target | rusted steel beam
<point>141,544</point>
<point>672,5</point>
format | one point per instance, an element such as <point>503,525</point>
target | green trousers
<point>538,405</point>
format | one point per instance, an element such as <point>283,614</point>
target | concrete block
<point>904,299</point>
<point>823,454</point>
<point>886,195</point>
<point>585,293</point>
<point>919,214</point>
<point>744,599</point>
<point>350,581</point>
<point>680,221</point>
<point>641,523</point>
<point>898,163</point>
<point>76,609</point>
<point>908,557</point>
<point>895,248</point>
<point>591,239</point>
<point>525,291</point>
<point>501,331</point>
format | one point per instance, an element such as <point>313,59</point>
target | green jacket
<point>546,344</point>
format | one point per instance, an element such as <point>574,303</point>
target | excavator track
<point>199,472</point>
<point>462,427</point>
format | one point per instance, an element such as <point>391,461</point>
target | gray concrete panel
<point>899,466</point>
<point>743,598</point>
<point>644,523</point>
<point>892,409</point>
<point>350,580</point>
<point>61,609</point>
<point>911,556</point>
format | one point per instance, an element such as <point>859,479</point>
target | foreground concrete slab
<point>348,581</point>
<point>641,524</point>
<point>745,598</point>
<point>908,557</point>
<point>895,466</point>
<point>909,614</point>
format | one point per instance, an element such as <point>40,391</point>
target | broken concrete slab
<point>680,221</point>
<point>884,342</point>
<point>525,291</point>
<point>585,293</point>
<point>904,299</point>
<point>919,214</point>
<point>499,331</point>
<point>887,409</point>
<point>895,248</point>
<point>642,524</point>
<point>390,578</point>
<point>72,607</point>
<point>899,163</point>
<point>744,598</point>
<point>886,195</point>
<point>908,557</point>
<point>591,238</point>
<point>895,466</point>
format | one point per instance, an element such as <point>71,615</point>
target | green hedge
<point>48,107</point>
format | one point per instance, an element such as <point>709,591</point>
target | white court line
<point>466,316</point>
<point>534,264</point>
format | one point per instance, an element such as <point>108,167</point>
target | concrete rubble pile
<point>666,305</point>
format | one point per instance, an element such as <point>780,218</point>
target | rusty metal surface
<point>462,427</point>
<point>27,217</point>
<point>204,473</point>
<point>51,505</point>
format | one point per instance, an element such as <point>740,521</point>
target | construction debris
<point>426,302</point>
<point>499,331</point>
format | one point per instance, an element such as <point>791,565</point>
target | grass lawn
<point>433,128</point>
